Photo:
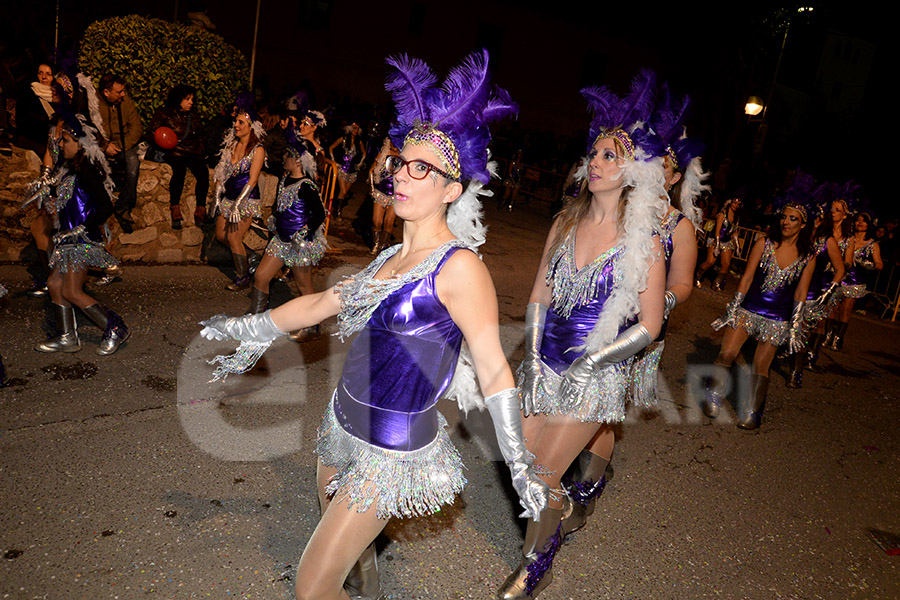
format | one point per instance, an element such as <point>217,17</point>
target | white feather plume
<point>465,214</point>
<point>93,102</point>
<point>691,187</point>
<point>643,213</point>
<point>583,169</point>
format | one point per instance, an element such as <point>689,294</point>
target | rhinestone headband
<point>438,142</point>
<point>799,208</point>
<point>672,157</point>
<point>622,137</point>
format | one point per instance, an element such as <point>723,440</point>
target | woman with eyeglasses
<point>383,449</point>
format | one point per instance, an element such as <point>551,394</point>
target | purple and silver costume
<point>725,237</point>
<point>821,279</point>
<point>237,175</point>
<point>854,284</point>
<point>383,190</point>
<point>348,162</point>
<point>82,200</point>
<point>297,216</point>
<point>644,369</point>
<point>382,431</point>
<point>765,312</point>
<point>578,298</point>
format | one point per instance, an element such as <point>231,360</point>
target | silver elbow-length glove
<point>727,320</point>
<point>257,328</point>
<point>796,339</point>
<point>235,215</point>
<point>535,319</point>
<point>826,296</point>
<point>671,300</point>
<point>504,410</point>
<point>579,374</point>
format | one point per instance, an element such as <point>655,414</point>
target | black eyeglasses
<point>417,169</point>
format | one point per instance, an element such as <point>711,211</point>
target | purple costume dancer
<point>396,370</point>
<point>765,312</point>
<point>236,176</point>
<point>297,216</point>
<point>854,284</point>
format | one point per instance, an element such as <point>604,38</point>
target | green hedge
<point>154,55</point>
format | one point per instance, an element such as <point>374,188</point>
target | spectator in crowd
<point>178,115</point>
<point>34,110</point>
<point>122,129</point>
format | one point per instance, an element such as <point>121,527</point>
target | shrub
<point>154,55</point>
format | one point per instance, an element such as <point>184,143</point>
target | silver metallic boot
<point>259,301</point>
<point>542,541</point>
<point>750,416</point>
<point>114,330</point>
<point>716,390</point>
<point>362,582</point>
<point>67,340</point>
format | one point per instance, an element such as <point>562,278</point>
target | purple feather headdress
<point>626,119</point>
<point>244,104</point>
<point>668,122</point>
<point>800,196</point>
<point>300,150</point>
<point>451,120</point>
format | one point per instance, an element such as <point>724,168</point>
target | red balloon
<point>165,138</point>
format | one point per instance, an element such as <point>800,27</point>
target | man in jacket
<point>122,130</point>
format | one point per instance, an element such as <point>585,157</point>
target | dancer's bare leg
<point>303,277</point>
<point>268,267</point>
<point>559,442</point>
<point>339,539</point>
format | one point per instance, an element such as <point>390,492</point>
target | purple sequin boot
<point>583,489</point>
<point>542,541</point>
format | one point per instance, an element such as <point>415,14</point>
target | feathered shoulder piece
<point>800,196</point>
<point>626,119</point>
<point>80,128</point>
<point>451,119</point>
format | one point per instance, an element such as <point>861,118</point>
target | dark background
<point>828,113</point>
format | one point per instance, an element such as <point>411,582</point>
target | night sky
<point>827,111</point>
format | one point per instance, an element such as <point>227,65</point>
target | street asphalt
<point>132,476</point>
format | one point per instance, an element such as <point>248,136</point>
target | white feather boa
<point>93,102</point>
<point>93,152</point>
<point>643,214</point>
<point>465,214</point>
<point>228,145</point>
<point>691,188</point>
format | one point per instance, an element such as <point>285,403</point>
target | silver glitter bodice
<point>572,287</point>
<point>776,277</point>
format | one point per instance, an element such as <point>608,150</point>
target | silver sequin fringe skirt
<point>402,484</point>
<point>250,208</point>
<point>812,314</point>
<point>382,199</point>
<point>760,328</point>
<point>307,256</point>
<point>603,401</point>
<point>643,389</point>
<point>347,177</point>
<point>79,256</point>
<point>853,291</point>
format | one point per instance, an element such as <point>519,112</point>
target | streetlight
<point>754,106</point>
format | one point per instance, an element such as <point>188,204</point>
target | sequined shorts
<point>853,291</point>
<point>347,177</point>
<point>760,328</point>
<point>724,247</point>
<point>400,484</point>
<point>308,255</point>
<point>79,256</point>
<point>602,402</point>
<point>382,199</point>
<point>250,208</point>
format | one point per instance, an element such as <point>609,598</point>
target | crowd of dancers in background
<point>620,256</point>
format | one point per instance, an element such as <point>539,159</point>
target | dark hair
<point>826,229</point>
<point>870,233</point>
<point>108,80</point>
<point>804,239</point>
<point>179,93</point>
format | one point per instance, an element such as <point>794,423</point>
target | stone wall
<point>153,239</point>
